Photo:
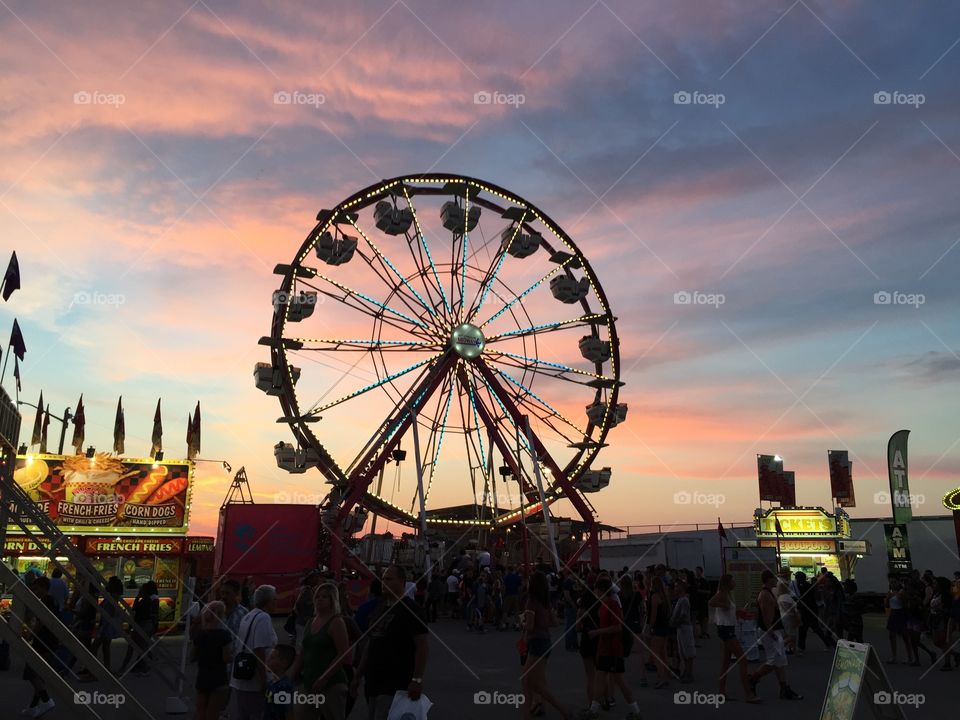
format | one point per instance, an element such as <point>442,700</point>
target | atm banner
<point>897,469</point>
<point>116,494</point>
<point>898,548</point>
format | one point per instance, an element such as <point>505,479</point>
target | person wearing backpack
<point>256,638</point>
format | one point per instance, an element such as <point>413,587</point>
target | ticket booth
<point>809,539</point>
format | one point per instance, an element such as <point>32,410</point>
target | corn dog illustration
<point>168,491</point>
<point>147,486</point>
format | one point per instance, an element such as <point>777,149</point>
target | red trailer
<point>272,543</point>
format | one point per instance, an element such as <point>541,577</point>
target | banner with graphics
<point>841,478</point>
<point>897,469</point>
<point>107,493</point>
<point>768,472</point>
<point>898,548</point>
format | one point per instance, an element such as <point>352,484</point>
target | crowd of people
<point>333,654</point>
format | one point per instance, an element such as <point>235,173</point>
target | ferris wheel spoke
<point>469,440</point>
<point>426,249</point>
<point>386,261</point>
<point>526,292</point>
<point>533,363</point>
<point>538,451</point>
<point>476,421</point>
<point>498,438</point>
<point>490,275</point>
<point>583,320</point>
<point>439,443</point>
<point>423,272</point>
<point>373,386</point>
<point>419,311</point>
<point>527,392</point>
<point>357,294</point>
<point>463,253</point>
<point>505,414</point>
<point>471,423</point>
<point>340,345</point>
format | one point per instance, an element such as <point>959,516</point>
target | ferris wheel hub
<point>467,341</point>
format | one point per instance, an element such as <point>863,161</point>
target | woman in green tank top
<point>320,664</point>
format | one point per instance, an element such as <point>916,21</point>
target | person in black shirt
<point>44,643</point>
<point>588,620</point>
<point>396,653</point>
<point>213,648</point>
<point>146,616</point>
<point>699,597</point>
<point>809,620</point>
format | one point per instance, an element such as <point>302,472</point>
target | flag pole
<point>6,357</point>
<point>777,531</point>
<point>723,558</point>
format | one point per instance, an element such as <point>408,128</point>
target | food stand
<point>129,516</point>
<point>810,538</point>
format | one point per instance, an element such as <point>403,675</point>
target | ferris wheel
<point>446,320</point>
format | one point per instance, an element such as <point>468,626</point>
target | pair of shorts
<point>774,649</point>
<point>608,664</point>
<point>539,647</point>
<point>726,632</point>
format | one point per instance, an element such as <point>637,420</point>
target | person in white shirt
<point>483,559</point>
<point>453,593</point>
<point>256,635</point>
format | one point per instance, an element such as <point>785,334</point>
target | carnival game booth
<point>807,539</point>
<point>129,516</point>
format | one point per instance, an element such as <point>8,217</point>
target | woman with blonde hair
<point>323,655</point>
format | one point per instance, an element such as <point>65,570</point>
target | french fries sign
<point>108,493</point>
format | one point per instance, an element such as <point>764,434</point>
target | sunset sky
<point>149,183</point>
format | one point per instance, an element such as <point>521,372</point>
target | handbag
<point>245,662</point>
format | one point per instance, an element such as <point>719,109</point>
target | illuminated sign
<point>106,494</point>
<point>199,544</point>
<point>467,341</point>
<point>23,546</point>
<point>951,501</point>
<point>802,545</point>
<point>808,521</point>
<point>133,546</point>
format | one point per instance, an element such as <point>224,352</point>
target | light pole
<point>67,417</point>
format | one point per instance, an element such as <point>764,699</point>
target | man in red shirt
<point>610,654</point>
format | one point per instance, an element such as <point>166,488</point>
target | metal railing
<point>627,531</point>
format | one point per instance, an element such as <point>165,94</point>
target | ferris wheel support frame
<point>364,472</point>
<point>561,479</point>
